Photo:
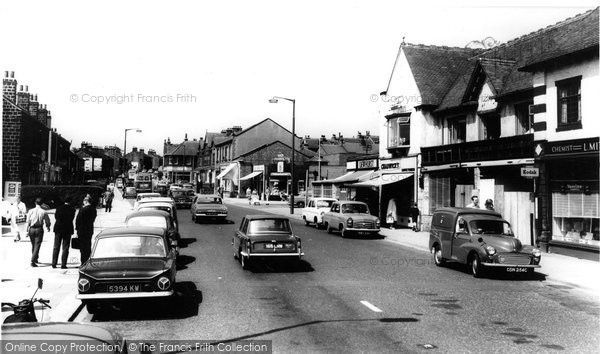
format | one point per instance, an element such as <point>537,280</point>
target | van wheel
<point>476,267</point>
<point>437,256</point>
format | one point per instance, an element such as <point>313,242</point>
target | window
<point>439,193</point>
<point>399,131</point>
<point>188,160</point>
<point>491,126</point>
<point>524,119</point>
<point>569,103</point>
<point>457,128</point>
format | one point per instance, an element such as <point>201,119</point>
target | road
<point>351,295</point>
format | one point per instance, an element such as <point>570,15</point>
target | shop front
<point>228,179</point>
<point>254,180</point>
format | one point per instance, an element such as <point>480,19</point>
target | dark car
<point>129,192</point>
<point>481,239</point>
<point>208,206</point>
<point>127,263</point>
<point>183,197</point>
<point>156,218</point>
<point>265,236</point>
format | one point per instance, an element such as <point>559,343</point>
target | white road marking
<point>370,306</point>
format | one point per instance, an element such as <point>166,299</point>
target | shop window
<point>439,193</point>
<point>457,128</point>
<point>575,217</point>
<point>327,191</point>
<point>188,160</point>
<point>569,103</point>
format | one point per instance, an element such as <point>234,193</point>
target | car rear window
<point>154,221</point>
<point>442,220</point>
<point>129,246</point>
<point>208,200</point>
<point>268,225</point>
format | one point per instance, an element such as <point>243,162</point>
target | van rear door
<point>442,225</point>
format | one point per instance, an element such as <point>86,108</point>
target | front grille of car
<point>514,258</point>
<point>364,225</point>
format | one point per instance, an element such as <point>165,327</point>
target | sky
<point>177,67</point>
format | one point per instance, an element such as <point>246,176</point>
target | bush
<point>54,196</point>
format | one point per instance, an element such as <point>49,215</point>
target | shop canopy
<point>250,175</point>
<point>349,177</point>
<point>382,180</point>
<point>227,171</point>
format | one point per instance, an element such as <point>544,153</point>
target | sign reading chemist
<point>578,146</point>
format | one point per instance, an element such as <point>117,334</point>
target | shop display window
<point>575,218</point>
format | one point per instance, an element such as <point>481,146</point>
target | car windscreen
<point>129,246</point>
<point>498,227</point>
<point>208,200</point>
<point>155,221</point>
<point>355,209</point>
<point>156,207</point>
<point>324,203</point>
<point>268,225</point>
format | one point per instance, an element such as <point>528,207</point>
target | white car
<point>141,196</point>
<point>314,210</point>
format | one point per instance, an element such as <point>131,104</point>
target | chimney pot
<point>26,88</point>
<point>12,74</point>
<point>6,74</point>
<point>20,87</point>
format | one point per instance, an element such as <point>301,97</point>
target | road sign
<point>530,172</point>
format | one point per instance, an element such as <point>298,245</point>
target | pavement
<point>19,279</point>
<point>561,270</point>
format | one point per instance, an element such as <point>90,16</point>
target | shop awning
<point>250,175</point>
<point>229,169</point>
<point>349,177</point>
<point>281,174</point>
<point>382,180</point>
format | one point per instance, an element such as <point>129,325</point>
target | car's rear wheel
<point>306,222</point>
<point>301,205</point>
<point>476,266</point>
<point>317,226</point>
<point>343,231</point>
<point>437,256</point>
<point>245,261</point>
<point>92,308</point>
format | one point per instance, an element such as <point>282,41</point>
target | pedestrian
<point>414,214</point>
<point>249,195</point>
<point>474,202</point>
<point>36,218</point>
<point>85,228</point>
<point>18,212</point>
<point>489,204</point>
<point>108,199</point>
<point>392,213</point>
<point>63,229</point>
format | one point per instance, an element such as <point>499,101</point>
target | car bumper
<point>108,296</point>
<point>504,265</point>
<point>295,254</point>
<point>351,229</point>
<point>211,215</point>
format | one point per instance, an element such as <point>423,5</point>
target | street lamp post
<point>275,100</point>
<point>125,147</point>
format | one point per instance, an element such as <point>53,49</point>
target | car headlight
<point>377,222</point>
<point>349,222</point>
<point>490,250</point>
<point>299,244</point>
<point>83,285</point>
<point>536,252</point>
<point>163,283</point>
<point>248,244</point>
<point>322,213</point>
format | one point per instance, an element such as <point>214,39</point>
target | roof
<point>453,210</point>
<point>305,152</point>
<point>185,148</point>
<point>265,217</point>
<point>133,230</point>
<point>436,68</point>
<point>147,212</point>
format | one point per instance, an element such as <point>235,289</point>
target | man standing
<point>474,202</point>
<point>85,228</point>
<point>18,211</point>
<point>63,229</point>
<point>108,199</point>
<point>36,218</point>
<point>414,214</point>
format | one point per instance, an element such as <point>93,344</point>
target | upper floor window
<point>188,160</point>
<point>491,126</point>
<point>524,118</point>
<point>399,131</point>
<point>569,103</point>
<point>457,129</point>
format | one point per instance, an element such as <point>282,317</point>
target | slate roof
<point>185,148</point>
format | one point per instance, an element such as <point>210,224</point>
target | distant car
<point>167,206</point>
<point>156,218</point>
<point>162,189</point>
<point>265,236</point>
<point>119,183</point>
<point>208,206</point>
<point>481,239</point>
<point>314,210</point>
<point>66,332</point>
<point>183,197</point>
<point>127,263</point>
<point>129,192</point>
<point>187,186</point>
<point>141,196</point>
<point>350,217</point>
<point>299,200</point>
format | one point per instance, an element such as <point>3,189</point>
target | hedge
<point>54,196</point>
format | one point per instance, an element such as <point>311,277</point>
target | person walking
<point>108,199</point>
<point>18,210</point>
<point>489,204</point>
<point>84,224</point>
<point>36,218</point>
<point>63,229</point>
<point>414,214</point>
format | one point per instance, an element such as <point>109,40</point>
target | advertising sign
<point>12,189</point>
<point>87,164</point>
<point>97,164</point>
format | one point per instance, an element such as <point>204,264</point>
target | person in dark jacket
<point>414,214</point>
<point>85,228</point>
<point>63,229</point>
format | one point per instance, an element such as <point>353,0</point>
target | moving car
<point>129,192</point>
<point>208,206</point>
<point>156,218</point>
<point>127,263</point>
<point>183,197</point>
<point>316,207</point>
<point>480,238</point>
<point>264,236</point>
<point>351,217</point>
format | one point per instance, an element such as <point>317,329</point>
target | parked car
<point>183,197</point>
<point>156,218</point>
<point>127,263</point>
<point>187,186</point>
<point>351,217</point>
<point>265,236</point>
<point>299,200</point>
<point>129,192</point>
<point>481,239</point>
<point>208,206</point>
<point>162,189</point>
<point>152,204</point>
<point>314,210</point>
<point>145,195</point>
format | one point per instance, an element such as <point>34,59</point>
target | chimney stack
<point>9,86</point>
<point>23,97</point>
<point>34,107</point>
<point>42,115</point>
<point>185,139</point>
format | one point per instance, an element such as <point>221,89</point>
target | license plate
<point>363,233</point>
<point>270,245</point>
<point>516,270</point>
<point>129,288</point>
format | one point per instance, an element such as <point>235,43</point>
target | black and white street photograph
<point>338,176</point>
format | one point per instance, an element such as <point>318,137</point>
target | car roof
<point>462,211</point>
<point>351,202</point>
<point>148,194</point>
<point>155,204</point>
<point>132,230</point>
<point>265,217</point>
<point>157,200</point>
<point>147,212</point>
<point>323,198</point>
<point>208,196</point>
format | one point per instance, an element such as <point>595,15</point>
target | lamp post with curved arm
<point>276,99</point>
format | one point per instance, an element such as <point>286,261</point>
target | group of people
<point>37,218</point>
<point>489,204</point>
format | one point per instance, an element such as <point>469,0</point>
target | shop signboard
<point>87,164</point>
<point>366,164</point>
<point>530,172</point>
<point>12,189</point>
<point>578,146</point>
